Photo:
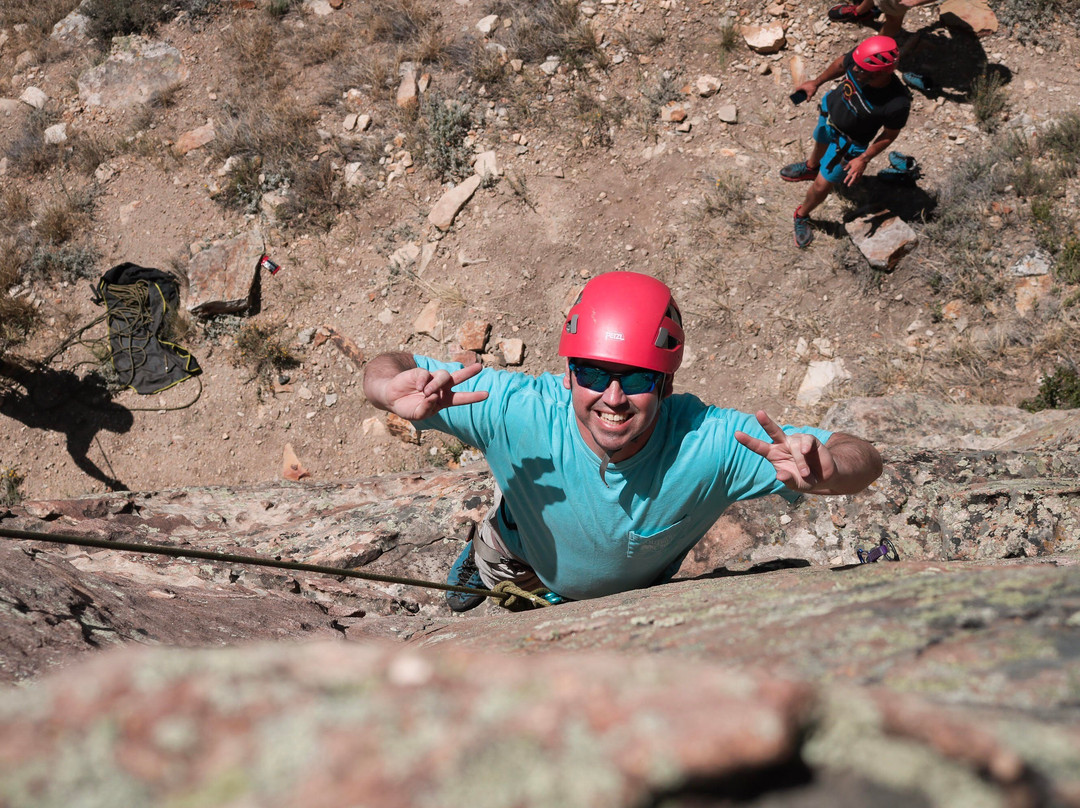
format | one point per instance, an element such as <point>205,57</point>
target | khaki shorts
<point>494,561</point>
<point>891,8</point>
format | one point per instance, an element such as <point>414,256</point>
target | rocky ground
<point>596,174</point>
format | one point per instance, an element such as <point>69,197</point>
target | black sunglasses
<point>632,383</point>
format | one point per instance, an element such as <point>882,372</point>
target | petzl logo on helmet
<point>613,335</point>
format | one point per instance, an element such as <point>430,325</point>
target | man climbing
<point>605,478</point>
<point>869,99</point>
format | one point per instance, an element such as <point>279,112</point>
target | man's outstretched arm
<point>844,464</point>
<point>395,383</point>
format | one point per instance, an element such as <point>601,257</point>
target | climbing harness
<point>509,596</point>
<point>884,550</point>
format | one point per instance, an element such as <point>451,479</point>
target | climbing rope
<point>127,320</point>
<point>506,593</point>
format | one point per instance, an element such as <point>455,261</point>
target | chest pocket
<point>653,543</point>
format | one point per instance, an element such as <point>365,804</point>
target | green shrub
<point>1068,261</point>
<point>111,18</point>
<point>1034,20</point>
<point>68,261</point>
<point>28,153</point>
<point>988,100</point>
<point>443,138</point>
<point>1058,391</point>
<point>260,347</point>
<point>10,488</point>
<point>1061,139</point>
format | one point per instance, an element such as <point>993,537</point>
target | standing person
<point>869,99</point>
<point>894,11</point>
<point>605,478</point>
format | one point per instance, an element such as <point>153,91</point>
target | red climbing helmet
<point>876,54</point>
<point>627,318</point>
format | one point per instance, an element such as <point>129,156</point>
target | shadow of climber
<point>79,408</point>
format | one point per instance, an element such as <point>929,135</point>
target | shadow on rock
<point>78,407</point>
<point>764,566</point>
<point>907,200</point>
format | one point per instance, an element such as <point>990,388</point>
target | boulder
<point>927,423</point>
<point>819,378</point>
<point>443,213</point>
<point>706,86</point>
<point>56,134</point>
<point>135,73</point>
<point>73,29</point>
<point>883,238</point>
<point>195,138</point>
<point>427,321</point>
<point>672,112</point>
<point>727,113</point>
<point>34,97</point>
<point>488,24</point>
<point>407,92</point>
<point>220,277</point>
<point>764,38</point>
<point>472,335</point>
<point>971,16</point>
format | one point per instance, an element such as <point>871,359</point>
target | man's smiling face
<point>612,423</point>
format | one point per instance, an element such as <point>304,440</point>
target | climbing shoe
<point>464,573</point>
<point>803,234</point>
<point>798,172</point>
<point>903,168</point>
<point>919,81</point>
<point>846,12</point>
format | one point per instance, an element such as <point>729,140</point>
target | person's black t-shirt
<point>860,111</point>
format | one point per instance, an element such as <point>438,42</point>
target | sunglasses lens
<point>640,381</point>
<point>592,378</point>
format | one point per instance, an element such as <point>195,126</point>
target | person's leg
<point>892,26</point>
<point>815,195</point>
<point>830,171</point>
<point>808,168</point>
<point>485,562</point>
<point>816,153</point>
<point>852,12</point>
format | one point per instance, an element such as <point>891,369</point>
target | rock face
<point>773,671</point>
<point>134,73</point>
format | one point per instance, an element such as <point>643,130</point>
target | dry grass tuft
<point>28,153</point>
<point>399,21</point>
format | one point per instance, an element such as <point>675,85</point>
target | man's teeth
<point>612,418</point>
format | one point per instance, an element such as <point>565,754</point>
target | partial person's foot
<point>919,81</point>
<point>846,12</point>
<point>464,573</point>
<point>799,172</point>
<point>803,234</point>
<point>903,168</point>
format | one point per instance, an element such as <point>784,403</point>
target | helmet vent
<point>571,325</point>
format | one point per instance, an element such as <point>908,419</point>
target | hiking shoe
<point>845,12</point>
<point>798,172</point>
<point>919,81</point>
<point>803,234</point>
<point>464,573</point>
